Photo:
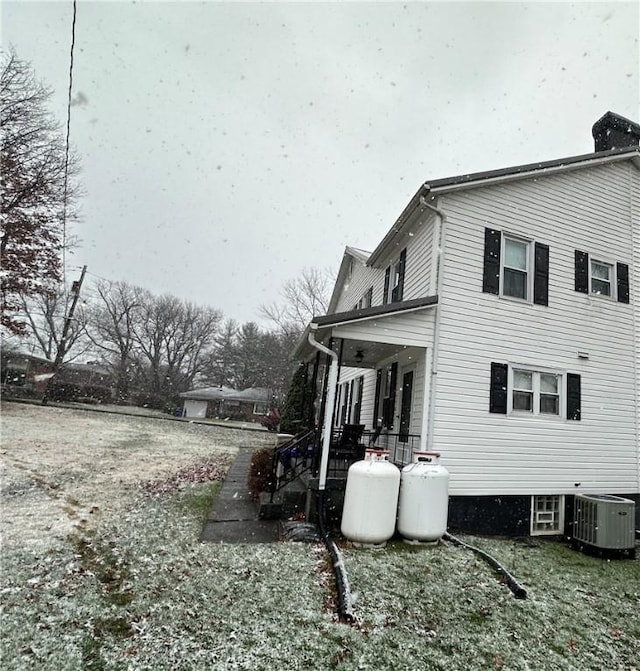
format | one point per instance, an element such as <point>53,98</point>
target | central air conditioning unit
<point>604,524</point>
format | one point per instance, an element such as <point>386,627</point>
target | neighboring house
<point>23,374</point>
<point>85,382</point>
<point>249,405</point>
<point>498,323</point>
<point>29,375</point>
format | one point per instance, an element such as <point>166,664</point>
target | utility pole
<point>61,351</point>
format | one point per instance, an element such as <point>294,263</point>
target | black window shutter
<point>385,295</point>
<point>498,390</point>
<point>376,401</point>
<point>622,272</point>
<point>582,272</point>
<point>573,396</point>
<point>541,275</point>
<point>402,265</point>
<point>491,275</point>
<point>392,394</point>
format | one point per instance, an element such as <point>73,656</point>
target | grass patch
<point>198,499</point>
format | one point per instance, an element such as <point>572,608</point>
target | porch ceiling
<point>372,353</point>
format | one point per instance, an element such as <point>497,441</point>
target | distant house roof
<point>251,395</point>
<point>89,366</point>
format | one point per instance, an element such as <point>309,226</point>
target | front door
<point>405,406</point>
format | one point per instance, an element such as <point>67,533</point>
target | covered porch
<point>380,399</point>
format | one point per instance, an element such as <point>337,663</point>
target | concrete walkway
<point>233,518</point>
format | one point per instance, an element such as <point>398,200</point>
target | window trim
<point>537,271</point>
<point>395,279</point>
<point>386,392</point>
<point>613,279</point>
<point>529,270</point>
<point>619,280</point>
<point>535,512</point>
<point>366,300</point>
<point>537,371</point>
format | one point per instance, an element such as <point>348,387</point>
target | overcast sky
<point>225,146</point>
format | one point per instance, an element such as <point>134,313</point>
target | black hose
<point>518,590</point>
<point>345,607</point>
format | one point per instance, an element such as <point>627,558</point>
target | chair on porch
<point>348,446</point>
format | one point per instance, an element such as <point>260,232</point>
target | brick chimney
<point>613,131</point>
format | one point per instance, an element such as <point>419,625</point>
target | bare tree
<point>110,327</point>
<point>173,337</point>
<point>301,298</point>
<point>45,314</point>
<point>39,190</point>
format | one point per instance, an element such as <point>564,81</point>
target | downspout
<point>332,385</point>
<point>345,605</point>
<point>440,241</point>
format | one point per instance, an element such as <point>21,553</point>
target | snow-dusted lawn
<point>99,572</point>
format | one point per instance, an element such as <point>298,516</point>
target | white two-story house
<point>498,323</point>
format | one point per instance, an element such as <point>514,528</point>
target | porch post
<point>426,399</point>
<point>314,391</point>
<point>332,384</point>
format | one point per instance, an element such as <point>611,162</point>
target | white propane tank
<point>371,499</point>
<point>424,499</point>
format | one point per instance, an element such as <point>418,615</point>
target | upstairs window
<point>365,301</point>
<point>601,278</point>
<point>394,280</point>
<point>515,267</point>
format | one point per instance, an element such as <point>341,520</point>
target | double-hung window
<point>523,390</point>
<point>365,301</point>
<point>535,392</point>
<point>601,278</point>
<point>515,267</point>
<point>394,279</point>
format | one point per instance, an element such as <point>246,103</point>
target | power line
<point>66,154</point>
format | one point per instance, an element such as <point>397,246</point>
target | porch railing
<point>292,459</point>
<point>401,446</point>
<point>302,453</point>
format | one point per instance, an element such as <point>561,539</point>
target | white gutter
<point>439,241</point>
<point>332,385</point>
<point>534,172</point>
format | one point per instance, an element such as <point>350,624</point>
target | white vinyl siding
<point>408,328</point>
<point>418,281</point>
<point>417,276</point>
<point>362,278</point>
<point>634,281</point>
<point>489,454</point>
<point>409,357</point>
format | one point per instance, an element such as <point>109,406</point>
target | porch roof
<point>323,325</point>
